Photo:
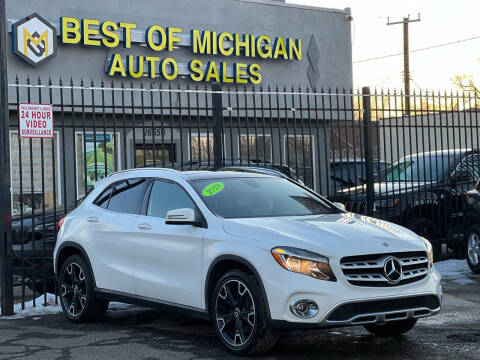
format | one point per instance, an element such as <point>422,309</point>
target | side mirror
<point>340,206</point>
<point>182,217</point>
<point>462,176</point>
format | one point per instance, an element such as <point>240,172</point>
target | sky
<point>442,21</point>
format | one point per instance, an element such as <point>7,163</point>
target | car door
<point>168,258</point>
<point>110,231</point>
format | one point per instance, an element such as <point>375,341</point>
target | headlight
<point>429,248</point>
<point>387,203</point>
<point>304,262</point>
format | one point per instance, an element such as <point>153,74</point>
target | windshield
<point>258,197</point>
<point>422,168</point>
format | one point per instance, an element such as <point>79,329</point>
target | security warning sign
<point>35,120</point>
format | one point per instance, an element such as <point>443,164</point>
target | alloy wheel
<point>235,313</point>
<point>473,248</point>
<point>73,290</point>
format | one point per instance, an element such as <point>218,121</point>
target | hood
<point>387,188</point>
<point>331,235</point>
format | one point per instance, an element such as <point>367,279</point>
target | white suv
<point>252,252</point>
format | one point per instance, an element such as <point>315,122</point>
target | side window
<point>127,196</point>
<point>166,196</point>
<point>102,200</point>
<point>470,164</point>
<point>360,169</point>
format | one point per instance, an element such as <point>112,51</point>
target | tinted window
<point>258,197</point>
<point>102,200</point>
<point>471,164</point>
<point>349,174</point>
<point>419,168</point>
<point>166,196</point>
<point>127,196</point>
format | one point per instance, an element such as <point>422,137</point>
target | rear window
<point>127,196</point>
<point>102,200</point>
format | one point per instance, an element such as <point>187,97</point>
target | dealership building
<point>84,58</point>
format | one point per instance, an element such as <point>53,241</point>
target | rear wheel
<point>77,296</point>
<point>394,328</point>
<point>472,247</point>
<point>239,314</point>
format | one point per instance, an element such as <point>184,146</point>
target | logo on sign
<point>35,120</point>
<point>34,39</point>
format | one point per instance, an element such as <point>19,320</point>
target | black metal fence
<point>361,149</point>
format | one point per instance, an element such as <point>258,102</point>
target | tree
<point>467,85</point>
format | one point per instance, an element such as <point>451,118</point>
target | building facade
<point>84,53</point>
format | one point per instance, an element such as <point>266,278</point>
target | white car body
<point>140,257</point>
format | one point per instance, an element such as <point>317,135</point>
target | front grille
<point>368,270</point>
<point>419,305</point>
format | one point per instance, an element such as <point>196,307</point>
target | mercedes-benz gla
<point>254,253</point>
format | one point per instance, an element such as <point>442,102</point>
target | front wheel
<point>472,248</point>
<point>79,303</point>
<point>394,328</point>
<point>239,314</point>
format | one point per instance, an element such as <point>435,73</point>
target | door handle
<point>144,226</point>
<point>93,219</point>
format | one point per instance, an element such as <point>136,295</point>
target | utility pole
<point>6,279</point>
<point>406,58</point>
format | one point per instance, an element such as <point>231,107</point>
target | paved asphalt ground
<point>135,333</point>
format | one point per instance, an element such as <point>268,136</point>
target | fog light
<point>305,309</point>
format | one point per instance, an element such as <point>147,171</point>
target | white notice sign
<point>35,120</point>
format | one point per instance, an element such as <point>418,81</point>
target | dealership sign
<point>35,120</point>
<point>35,41</point>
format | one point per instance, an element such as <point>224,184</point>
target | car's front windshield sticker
<point>212,189</point>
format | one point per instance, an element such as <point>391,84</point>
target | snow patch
<point>50,308</point>
<point>39,309</point>
<point>455,270</point>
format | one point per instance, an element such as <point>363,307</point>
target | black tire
<point>428,230</point>
<point>245,330</point>
<point>473,235</point>
<point>77,297</point>
<point>394,328</point>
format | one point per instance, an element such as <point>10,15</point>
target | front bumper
<point>383,310</point>
<point>342,304</point>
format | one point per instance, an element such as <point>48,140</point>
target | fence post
<point>217,112</point>
<point>368,148</point>
<point>6,278</point>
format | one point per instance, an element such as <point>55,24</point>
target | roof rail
<point>141,169</point>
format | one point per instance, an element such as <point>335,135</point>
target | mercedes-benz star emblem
<point>392,270</point>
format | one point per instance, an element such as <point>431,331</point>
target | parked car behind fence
<point>424,192</point>
<point>348,172</point>
<point>33,240</point>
